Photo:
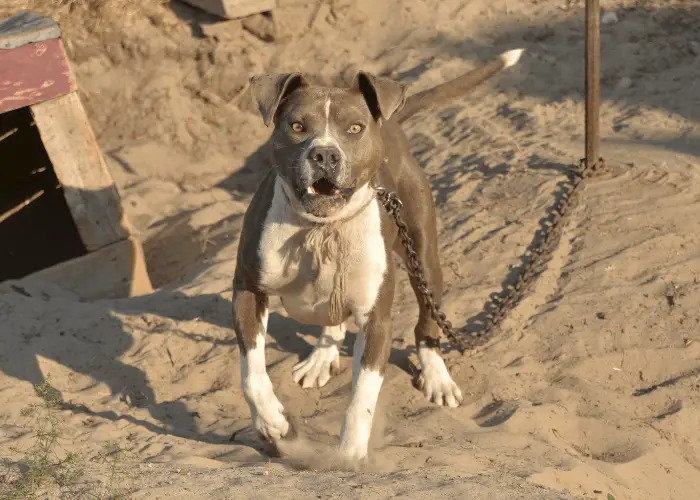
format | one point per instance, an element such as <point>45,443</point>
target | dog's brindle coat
<point>316,236</point>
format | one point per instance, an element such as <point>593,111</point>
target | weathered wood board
<point>80,167</point>
<point>233,9</point>
<point>27,27</point>
<point>33,73</point>
<point>115,271</point>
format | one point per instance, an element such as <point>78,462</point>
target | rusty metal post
<point>592,82</point>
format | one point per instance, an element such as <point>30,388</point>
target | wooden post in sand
<point>592,82</point>
<point>35,74</point>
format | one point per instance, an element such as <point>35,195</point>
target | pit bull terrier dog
<point>316,236</point>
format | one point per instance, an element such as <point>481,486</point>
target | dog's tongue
<point>324,187</point>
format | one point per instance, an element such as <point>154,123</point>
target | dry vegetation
<point>50,466</point>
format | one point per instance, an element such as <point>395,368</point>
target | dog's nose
<point>325,157</point>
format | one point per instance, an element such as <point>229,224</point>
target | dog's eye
<point>355,128</point>
<point>297,127</point>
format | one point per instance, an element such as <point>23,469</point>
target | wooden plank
<point>80,167</point>
<point>33,73</point>
<point>233,9</point>
<point>115,271</point>
<point>27,27</point>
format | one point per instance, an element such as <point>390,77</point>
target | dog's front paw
<point>317,369</point>
<point>269,421</point>
<point>435,381</point>
<point>353,451</point>
<point>353,457</point>
<point>265,409</point>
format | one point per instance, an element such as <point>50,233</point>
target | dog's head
<point>326,143</point>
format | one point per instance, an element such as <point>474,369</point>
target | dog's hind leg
<point>324,361</point>
<point>419,216</point>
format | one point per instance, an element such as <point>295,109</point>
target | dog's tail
<point>448,91</point>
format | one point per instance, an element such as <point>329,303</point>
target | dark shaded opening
<point>36,228</point>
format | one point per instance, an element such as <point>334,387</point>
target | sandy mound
<point>592,385</point>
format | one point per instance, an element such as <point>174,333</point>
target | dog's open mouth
<point>324,187</point>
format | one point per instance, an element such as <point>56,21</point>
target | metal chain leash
<point>543,244</point>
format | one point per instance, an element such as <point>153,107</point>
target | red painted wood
<point>33,73</point>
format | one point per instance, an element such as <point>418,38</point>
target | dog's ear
<point>384,96</point>
<point>269,90</point>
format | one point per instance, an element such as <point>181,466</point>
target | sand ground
<point>550,410</point>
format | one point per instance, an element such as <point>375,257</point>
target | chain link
<point>543,244</point>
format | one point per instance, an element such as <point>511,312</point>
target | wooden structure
<point>233,9</point>
<point>94,253</point>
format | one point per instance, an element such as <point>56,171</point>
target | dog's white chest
<point>300,261</point>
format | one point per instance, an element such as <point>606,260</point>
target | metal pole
<point>592,82</point>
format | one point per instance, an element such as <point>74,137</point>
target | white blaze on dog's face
<point>326,144</point>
